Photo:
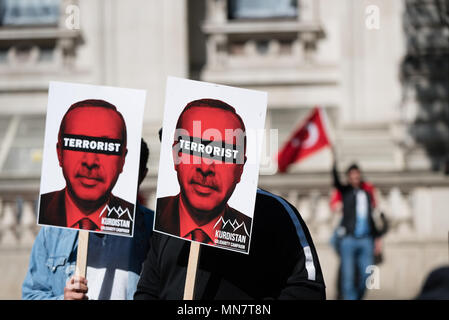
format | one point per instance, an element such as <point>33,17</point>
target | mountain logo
<point>119,212</point>
<point>234,224</point>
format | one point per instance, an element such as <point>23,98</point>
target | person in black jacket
<point>357,231</point>
<point>282,262</point>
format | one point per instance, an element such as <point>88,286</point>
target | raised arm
<point>336,178</point>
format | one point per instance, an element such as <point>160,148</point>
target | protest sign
<point>209,163</point>
<point>91,158</point>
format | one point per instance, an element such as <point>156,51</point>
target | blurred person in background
<point>357,238</point>
<point>113,262</point>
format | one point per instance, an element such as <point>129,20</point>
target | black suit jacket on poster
<point>52,208</point>
<point>167,217</point>
<point>282,262</point>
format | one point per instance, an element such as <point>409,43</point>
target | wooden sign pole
<point>81,255</point>
<point>192,266</point>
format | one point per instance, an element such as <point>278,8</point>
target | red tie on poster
<point>310,137</point>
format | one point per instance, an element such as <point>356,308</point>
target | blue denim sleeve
<point>37,283</point>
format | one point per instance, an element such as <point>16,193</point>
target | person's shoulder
<point>368,186</point>
<point>275,209</point>
<point>144,210</point>
<point>59,232</point>
<point>166,204</point>
<point>52,235</point>
<point>146,213</point>
<point>276,215</point>
<point>120,206</point>
<point>167,214</point>
<point>268,201</point>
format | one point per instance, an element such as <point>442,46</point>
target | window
<point>23,153</point>
<point>29,12</point>
<point>262,9</point>
<point>32,38</point>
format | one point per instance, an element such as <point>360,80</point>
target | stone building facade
<point>302,52</point>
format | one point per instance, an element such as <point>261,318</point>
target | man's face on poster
<point>207,184</point>
<point>90,176</point>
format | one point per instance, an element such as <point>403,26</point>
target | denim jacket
<point>53,258</point>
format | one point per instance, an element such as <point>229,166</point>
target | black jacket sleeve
<point>336,179</point>
<point>304,279</point>
<point>149,282</point>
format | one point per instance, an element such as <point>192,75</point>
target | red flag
<point>310,137</point>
